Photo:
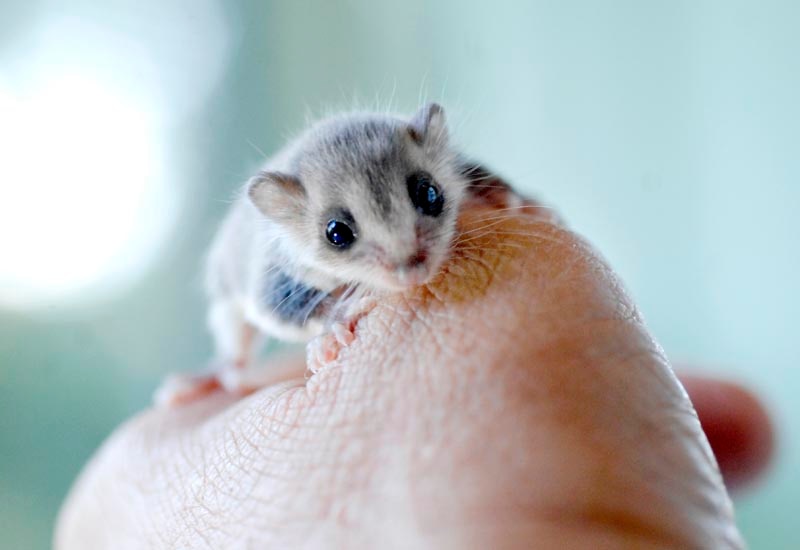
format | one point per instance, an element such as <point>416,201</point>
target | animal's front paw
<point>322,350</point>
<point>326,347</point>
<point>343,333</point>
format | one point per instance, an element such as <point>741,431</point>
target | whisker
<point>493,222</point>
<point>300,288</point>
<point>258,150</point>
<point>506,233</point>
<point>314,305</point>
<point>342,301</point>
<point>500,217</point>
<point>499,232</point>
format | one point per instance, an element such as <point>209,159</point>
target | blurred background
<point>668,133</point>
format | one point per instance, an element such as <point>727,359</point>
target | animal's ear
<point>277,195</point>
<point>428,125</point>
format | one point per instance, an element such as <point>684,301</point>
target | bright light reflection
<point>84,202</point>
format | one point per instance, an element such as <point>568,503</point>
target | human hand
<point>517,401</point>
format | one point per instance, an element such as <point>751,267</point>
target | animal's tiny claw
<point>321,350</point>
<point>343,333</point>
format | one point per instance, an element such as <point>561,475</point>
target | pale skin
<point>517,401</point>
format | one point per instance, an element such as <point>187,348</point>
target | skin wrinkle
<point>162,471</point>
<point>586,506</point>
<point>405,323</point>
<point>275,434</point>
<point>392,441</point>
<point>603,467</point>
<point>629,407</point>
<point>294,464</point>
<point>452,398</point>
<point>459,399</point>
<point>165,472</point>
<point>622,522</point>
<point>627,318</point>
<point>349,464</point>
<point>660,431</point>
<point>422,328</point>
<point>208,503</point>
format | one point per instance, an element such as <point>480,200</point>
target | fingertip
<point>738,428</point>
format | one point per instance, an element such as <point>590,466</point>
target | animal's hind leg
<point>237,346</point>
<point>235,342</point>
<point>235,375</point>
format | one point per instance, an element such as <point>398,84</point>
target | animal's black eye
<point>340,233</point>
<point>425,194</point>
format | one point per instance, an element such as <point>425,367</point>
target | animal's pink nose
<point>417,259</point>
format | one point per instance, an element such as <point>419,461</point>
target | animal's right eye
<point>339,233</point>
<point>425,194</point>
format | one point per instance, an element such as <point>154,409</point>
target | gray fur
<point>291,300</point>
<point>275,232</point>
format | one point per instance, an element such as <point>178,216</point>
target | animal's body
<point>357,201</point>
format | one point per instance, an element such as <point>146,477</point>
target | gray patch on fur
<point>291,300</point>
<point>366,149</point>
<point>360,158</point>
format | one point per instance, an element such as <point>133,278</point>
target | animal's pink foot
<point>322,350</point>
<point>343,332</point>
<point>326,347</point>
<point>182,389</point>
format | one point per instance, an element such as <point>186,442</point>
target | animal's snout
<point>416,259</point>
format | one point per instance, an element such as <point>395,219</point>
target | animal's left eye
<point>339,233</point>
<point>425,194</point>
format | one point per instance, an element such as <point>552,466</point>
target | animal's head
<point>368,198</point>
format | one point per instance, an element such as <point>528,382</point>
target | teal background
<point>667,132</point>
